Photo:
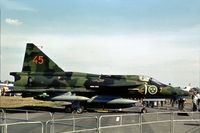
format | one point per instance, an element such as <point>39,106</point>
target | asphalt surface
<point>156,121</point>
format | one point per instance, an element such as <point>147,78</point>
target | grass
<point>16,102</point>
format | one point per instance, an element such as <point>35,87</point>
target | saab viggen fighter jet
<point>45,80</point>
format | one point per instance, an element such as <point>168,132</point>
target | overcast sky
<point>158,38</point>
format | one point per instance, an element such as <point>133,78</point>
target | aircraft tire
<point>80,110</point>
<point>144,110</point>
<point>68,109</point>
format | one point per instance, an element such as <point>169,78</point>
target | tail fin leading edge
<point>36,61</point>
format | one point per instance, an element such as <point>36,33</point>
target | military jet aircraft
<point>44,79</point>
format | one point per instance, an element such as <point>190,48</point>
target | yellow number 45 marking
<point>38,60</point>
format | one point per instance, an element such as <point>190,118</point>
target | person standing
<point>198,101</point>
<point>181,103</point>
<point>194,101</point>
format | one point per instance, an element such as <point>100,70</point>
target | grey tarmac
<point>152,121</point>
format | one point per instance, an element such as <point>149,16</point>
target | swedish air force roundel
<point>152,89</point>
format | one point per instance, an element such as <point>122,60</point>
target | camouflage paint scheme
<point>41,75</point>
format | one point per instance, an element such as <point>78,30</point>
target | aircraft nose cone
<point>181,92</point>
<point>186,93</point>
<point>174,91</point>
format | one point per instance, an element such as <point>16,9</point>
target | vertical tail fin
<point>36,61</point>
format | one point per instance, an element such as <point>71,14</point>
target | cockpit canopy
<point>144,78</point>
<point>156,82</point>
<point>151,80</point>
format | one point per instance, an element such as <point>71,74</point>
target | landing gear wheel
<point>144,110</point>
<point>68,109</point>
<point>80,110</point>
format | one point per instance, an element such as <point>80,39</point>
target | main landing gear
<point>75,107</point>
